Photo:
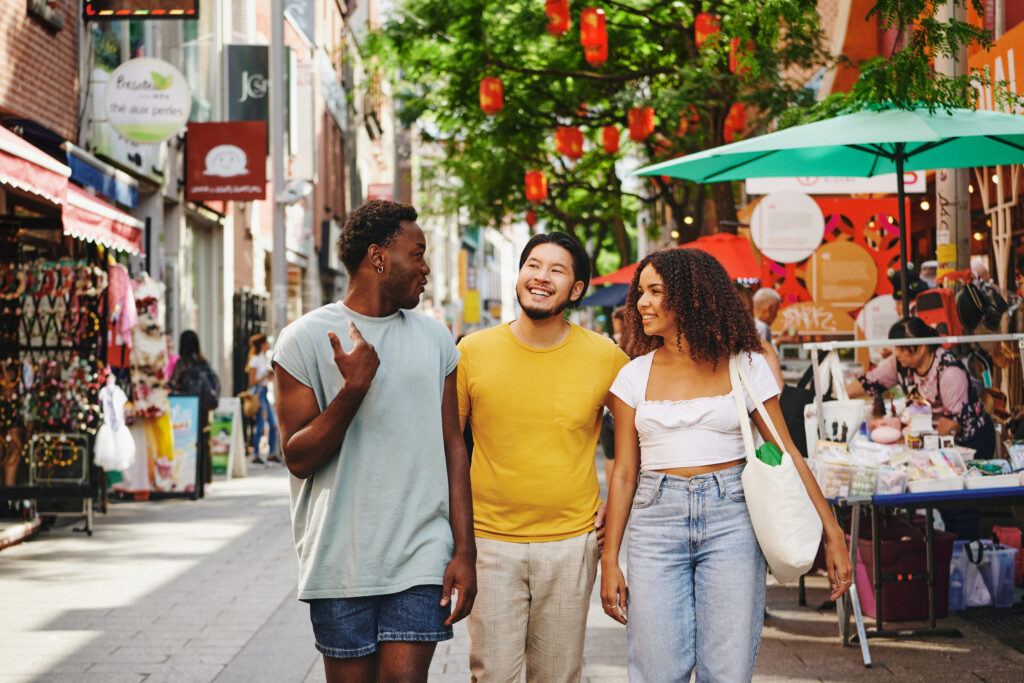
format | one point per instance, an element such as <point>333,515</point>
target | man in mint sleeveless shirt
<point>380,496</point>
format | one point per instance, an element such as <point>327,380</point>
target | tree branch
<point>592,75</point>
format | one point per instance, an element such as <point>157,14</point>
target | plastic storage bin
<point>1010,536</point>
<point>996,563</point>
<point>904,557</point>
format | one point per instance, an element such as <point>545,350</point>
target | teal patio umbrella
<point>864,144</point>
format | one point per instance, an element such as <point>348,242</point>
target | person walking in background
<point>696,592</point>
<point>767,348</point>
<point>193,376</point>
<point>381,508</point>
<point>533,391</point>
<point>260,376</point>
<point>766,309</point>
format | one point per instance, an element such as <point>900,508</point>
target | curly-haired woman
<point>696,573</point>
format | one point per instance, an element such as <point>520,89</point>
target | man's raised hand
<point>358,366</point>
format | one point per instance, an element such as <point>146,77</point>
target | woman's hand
<point>614,593</point>
<point>837,565</point>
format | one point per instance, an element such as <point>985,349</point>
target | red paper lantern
<point>557,12</point>
<point>531,218</point>
<point>610,139</point>
<point>596,56</point>
<point>569,141</point>
<point>536,186</point>
<point>592,27</point>
<point>641,123</point>
<point>736,119</point>
<point>735,52</point>
<point>704,27</point>
<point>492,95</point>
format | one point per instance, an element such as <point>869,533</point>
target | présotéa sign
<point>147,100</point>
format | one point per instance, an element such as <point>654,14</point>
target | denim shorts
<point>352,627</point>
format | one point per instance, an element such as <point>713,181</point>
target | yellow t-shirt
<point>536,415</point>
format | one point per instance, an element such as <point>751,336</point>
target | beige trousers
<point>531,606</point>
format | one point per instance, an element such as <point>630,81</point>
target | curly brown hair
<point>709,312</point>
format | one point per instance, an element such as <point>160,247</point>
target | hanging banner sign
<point>94,10</point>
<point>248,82</point>
<point>147,100</point>
<point>914,182</point>
<point>226,160</point>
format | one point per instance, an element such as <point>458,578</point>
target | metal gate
<point>250,317</point>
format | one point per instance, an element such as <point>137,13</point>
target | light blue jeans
<point>696,580</point>
<point>267,415</point>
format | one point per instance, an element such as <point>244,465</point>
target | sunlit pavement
<point>178,590</point>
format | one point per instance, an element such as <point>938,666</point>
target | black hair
<point>188,345</point>
<point>580,260</point>
<point>912,328</point>
<point>375,222</point>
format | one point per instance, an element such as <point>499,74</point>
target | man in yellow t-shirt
<point>533,391</point>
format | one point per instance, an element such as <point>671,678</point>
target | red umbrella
<point>732,251</point>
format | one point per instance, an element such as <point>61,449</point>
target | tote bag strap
<point>836,368</point>
<point>741,408</point>
<point>737,366</point>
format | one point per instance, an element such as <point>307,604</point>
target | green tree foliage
<point>905,77</point>
<point>438,51</point>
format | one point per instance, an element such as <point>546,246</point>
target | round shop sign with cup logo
<point>787,226</point>
<point>147,100</point>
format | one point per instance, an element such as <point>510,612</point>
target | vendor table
<point>929,501</point>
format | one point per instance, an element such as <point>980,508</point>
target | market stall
<point>860,465</point>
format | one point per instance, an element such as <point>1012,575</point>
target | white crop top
<point>692,432</point>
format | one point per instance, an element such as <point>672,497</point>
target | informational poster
<point>842,274</point>
<point>178,473</point>
<point>227,441</point>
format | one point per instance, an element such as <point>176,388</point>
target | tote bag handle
<point>741,381</point>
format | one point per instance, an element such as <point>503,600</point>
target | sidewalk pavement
<point>177,590</point>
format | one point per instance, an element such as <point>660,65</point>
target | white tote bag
<point>842,417</point>
<point>785,521</point>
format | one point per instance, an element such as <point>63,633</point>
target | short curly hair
<point>375,222</point>
<point>710,314</point>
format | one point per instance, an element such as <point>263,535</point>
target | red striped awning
<point>91,219</point>
<point>29,169</point>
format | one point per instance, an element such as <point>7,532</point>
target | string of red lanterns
<point>641,123</point>
<point>557,12</point>
<point>536,186</point>
<point>569,141</point>
<point>492,95</point>
<point>705,26</point>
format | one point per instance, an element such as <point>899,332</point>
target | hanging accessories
<point>785,521</point>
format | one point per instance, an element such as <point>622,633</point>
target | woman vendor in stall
<point>939,378</point>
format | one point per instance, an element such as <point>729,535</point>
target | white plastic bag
<point>976,593</point>
<point>105,449</point>
<point>785,521</point>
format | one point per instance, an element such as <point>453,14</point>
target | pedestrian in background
<point>193,376</point>
<point>696,589</point>
<point>260,376</point>
<point>766,309</point>
<point>533,391</point>
<point>381,507</point>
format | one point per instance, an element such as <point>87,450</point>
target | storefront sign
<point>302,15</point>
<point>787,226</point>
<point>147,100</point>
<point>842,274</point>
<point>1002,62</point>
<point>248,82</point>
<point>914,182</point>
<point>330,88</point>
<point>140,9</point>
<point>178,473</point>
<point>227,445</point>
<point>226,160</point>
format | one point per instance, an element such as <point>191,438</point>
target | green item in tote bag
<point>769,454</point>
